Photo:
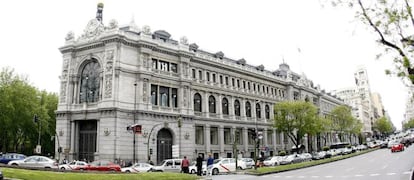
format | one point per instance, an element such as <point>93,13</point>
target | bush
<point>325,148</point>
<point>282,153</point>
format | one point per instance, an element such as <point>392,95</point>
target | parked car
<point>103,165</point>
<point>173,165</point>
<point>193,168</point>
<point>244,164</point>
<point>138,167</point>
<point>319,155</point>
<point>272,161</point>
<point>35,161</point>
<point>306,156</point>
<point>288,159</point>
<point>225,165</point>
<point>248,161</point>
<point>397,148</point>
<point>75,165</point>
<point>6,158</point>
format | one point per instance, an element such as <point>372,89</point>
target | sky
<point>325,43</point>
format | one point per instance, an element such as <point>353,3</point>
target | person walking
<point>184,165</point>
<point>210,162</point>
<point>199,164</point>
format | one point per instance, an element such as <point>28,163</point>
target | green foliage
<point>325,148</point>
<point>383,125</point>
<point>19,102</point>
<point>392,22</point>
<point>343,122</point>
<point>409,124</point>
<point>297,118</point>
<point>282,153</point>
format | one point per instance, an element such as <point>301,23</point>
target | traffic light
<point>151,151</point>
<point>257,146</point>
<point>35,118</point>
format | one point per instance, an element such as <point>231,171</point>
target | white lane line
<point>374,174</point>
<point>390,174</point>
<point>328,176</point>
<point>301,177</point>
<point>406,172</point>
<point>314,176</point>
<point>276,176</point>
<point>359,175</point>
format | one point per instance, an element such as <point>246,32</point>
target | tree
<point>342,121</point>
<point>393,22</point>
<point>409,124</point>
<point>383,125</point>
<point>296,119</point>
<point>19,102</point>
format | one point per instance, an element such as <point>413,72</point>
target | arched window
<point>267,111</point>
<point>211,104</point>
<point>197,102</point>
<point>225,106</point>
<point>258,111</point>
<point>237,108</point>
<point>90,82</point>
<point>248,109</point>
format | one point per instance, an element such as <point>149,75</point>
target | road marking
<point>390,174</point>
<point>359,175</point>
<point>328,176</point>
<point>276,176</point>
<point>301,176</point>
<point>406,172</point>
<point>288,176</point>
<point>374,174</point>
<point>314,176</point>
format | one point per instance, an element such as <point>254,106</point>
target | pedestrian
<point>199,164</point>
<point>184,165</point>
<point>210,162</point>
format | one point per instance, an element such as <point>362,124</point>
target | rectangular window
<point>214,135</point>
<point>199,135</point>
<point>232,82</point>
<point>163,66</point>
<point>227,136</point>
<point>221,79</point>
<point>238,83</point>
<point>200,75</point>
<point>250,136</point>
<point>239,136</point>
<point>173,67</point>
<point>154,64</point>
<point>244,84</point>
<point>174,97</point>
<point>164,96</point>
<point>227,80</point>
<point>267,89</point>
<point>270,137</point>
<point>194,73</point>
<point>214,78</point>
<point>254,87</point>
<point>207,76</point>
<point>154,93</point>
<point>248,85</point>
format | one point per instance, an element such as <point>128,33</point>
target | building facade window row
<point>213,78</point>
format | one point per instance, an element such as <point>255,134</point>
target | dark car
<point>6,158</point>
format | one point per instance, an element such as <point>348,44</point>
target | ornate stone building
<point>187,101</point>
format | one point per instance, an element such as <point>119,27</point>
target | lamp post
<point>135,112</point>
<point>179,134</point>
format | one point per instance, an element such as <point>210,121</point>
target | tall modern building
<point>365,106</point>
<point>187,101</point>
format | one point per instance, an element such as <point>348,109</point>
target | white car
<point>224,165</point>
<point>75,165</point>
<point>249,162</point>
<point>193,168</point>
<point>35,161</point>
<point>138,167</point>
<point>171,165</point>
<point>272,161</point>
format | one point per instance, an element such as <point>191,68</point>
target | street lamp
<point>135,112</point>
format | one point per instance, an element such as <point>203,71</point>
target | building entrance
<point>87,140</point>
<point>164,145</point>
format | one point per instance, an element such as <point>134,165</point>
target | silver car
<point>35,161</point>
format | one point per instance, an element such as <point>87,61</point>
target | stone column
<point>274,140</point>
<point>221,139</point>
<point>219,111</point>
<point>207,138</point>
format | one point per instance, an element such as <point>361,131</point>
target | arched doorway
<point>164,145</point>
<point>87,139</point>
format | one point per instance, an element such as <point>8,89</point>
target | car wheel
<point>62,168</point>
<point>81,169</point>
<point>14,164</point>
<point>192,171</point>
<point>215,171</point>
<point>275,164</point>
<point>127,171</point>
<point>112,170</point>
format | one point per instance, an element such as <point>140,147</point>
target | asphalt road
<point>377,165</point>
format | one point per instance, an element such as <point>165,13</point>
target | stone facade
<point>113,77</point>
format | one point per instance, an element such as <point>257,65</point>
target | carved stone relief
<point>63,92</point>
<point>144,58</point>
<point>108,86</point>
<point>185,96</point>
<point>108,73</point>
<point>144,91</point>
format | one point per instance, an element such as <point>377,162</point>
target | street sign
<point>175,151</point>
<point>38,149</point>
